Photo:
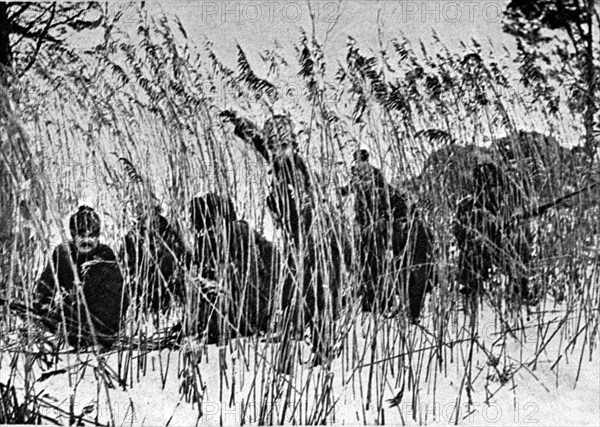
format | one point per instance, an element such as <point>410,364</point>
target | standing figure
<point>290,198</point>
<point>155,256</point>
<point>245,266</point>
<point>313,257</point>
<point>387,225</point>
<point>375,198</point>
<point>488,240</point>
<point>82,285</point>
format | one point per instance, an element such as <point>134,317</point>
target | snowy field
<point>523,385</point>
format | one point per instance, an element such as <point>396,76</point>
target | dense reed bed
<point>136,120</point>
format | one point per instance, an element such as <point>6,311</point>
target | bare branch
<point>27,34</point>
<point>40,41</point>
<point>19,12</point>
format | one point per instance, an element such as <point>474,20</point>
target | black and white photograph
<point>300,212</point>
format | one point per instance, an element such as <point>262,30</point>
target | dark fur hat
<point>85,220</point>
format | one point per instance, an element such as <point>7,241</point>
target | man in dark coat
<point>488,239</point>
<point>290,199</point>
<point>386,224</point>
<point>375,199</point>
<point>292,202</point>
<point>244,265</point>
<point>155,256</point>
<point>82,286</point>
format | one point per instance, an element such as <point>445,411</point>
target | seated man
<point>252,283</point>
<point>155,254</point>
<point>244,265</point>
<point>82,285</point>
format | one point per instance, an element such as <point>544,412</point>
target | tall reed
<point>153,100</point>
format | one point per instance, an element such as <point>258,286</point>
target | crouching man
<point>244,264</point>
<point>80,291</point>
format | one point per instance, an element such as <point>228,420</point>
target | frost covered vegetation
<point>136,120</point>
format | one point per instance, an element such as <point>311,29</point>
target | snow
<point>540,394</point>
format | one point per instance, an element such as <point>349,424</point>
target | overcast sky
<point>255,24</point>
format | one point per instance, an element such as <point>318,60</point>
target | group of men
<point>255,284</point>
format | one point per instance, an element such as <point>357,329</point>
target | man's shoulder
<point>104,252</point>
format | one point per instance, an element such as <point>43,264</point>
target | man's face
<point>85,242</point>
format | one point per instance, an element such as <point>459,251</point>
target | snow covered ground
<point>507,389</point>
